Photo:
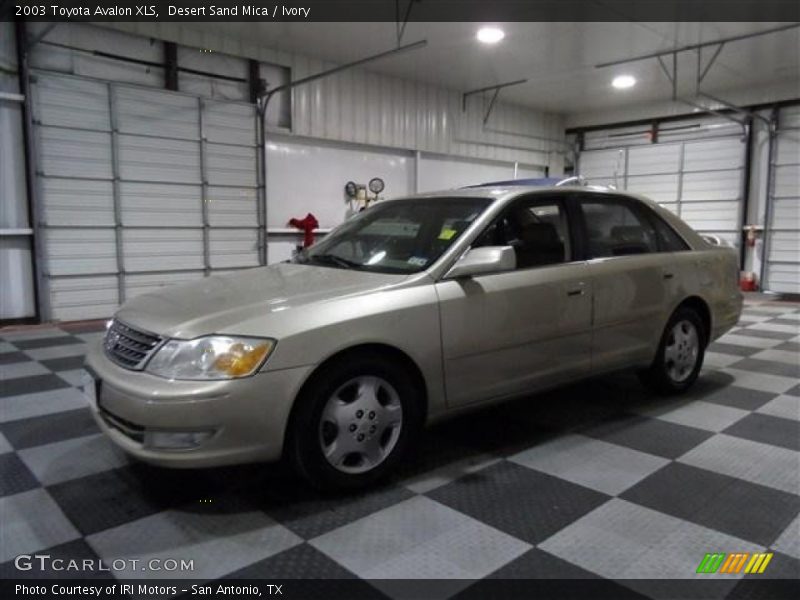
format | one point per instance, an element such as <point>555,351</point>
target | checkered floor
<point>596,480</point>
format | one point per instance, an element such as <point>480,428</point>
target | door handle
<point>575,292</point>
<point>668,275</point>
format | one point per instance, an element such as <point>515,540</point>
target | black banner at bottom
<point>406,589</point>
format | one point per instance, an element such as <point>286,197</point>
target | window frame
<point>636,207</point>
<point>563,201</point>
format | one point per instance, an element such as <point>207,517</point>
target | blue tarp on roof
<point>540,181</point>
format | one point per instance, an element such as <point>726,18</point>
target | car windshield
<point>400,236</point>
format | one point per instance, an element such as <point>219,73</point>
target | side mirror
<point>479,261</point>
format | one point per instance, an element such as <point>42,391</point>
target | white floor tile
<point>785,407</point>
<point>696,413</point>
<point>21,533</point>
<point>22,369</point>
<point>218,543</point>
<point>71,459</point>
<point>764,464</point>
<point>40,403</point>
<point>591,463</point>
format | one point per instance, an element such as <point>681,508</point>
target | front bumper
<point>247,416</point>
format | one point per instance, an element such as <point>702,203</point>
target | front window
<point>401,236</point>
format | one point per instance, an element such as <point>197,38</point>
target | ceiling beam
<point>735,38</point>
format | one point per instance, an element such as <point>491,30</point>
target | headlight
<point>212,357</point>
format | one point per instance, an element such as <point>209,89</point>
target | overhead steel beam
<point>742,111</point>
<point>356,63</point>
<point>735,38</point>
<point>495,88</point>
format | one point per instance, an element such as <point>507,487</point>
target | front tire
<point>680,354</point>
<point>354,421</point>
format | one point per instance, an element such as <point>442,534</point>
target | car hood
<point>218,303</point>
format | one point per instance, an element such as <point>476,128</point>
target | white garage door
<point>140,188</point>
<point>783,238</point>
<point>696,170</point>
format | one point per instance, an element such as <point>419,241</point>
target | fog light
<point>175,440</point>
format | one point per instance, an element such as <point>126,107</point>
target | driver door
<point>509,333</point>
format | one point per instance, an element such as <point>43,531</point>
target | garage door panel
<point>602,163</point>
<point>711,216</point>
<point>787,151</point>
<point>76,298</point>
<point>144,283</point>
<point>654,159</point>
<point>786,214</point>
<point>71,102</point>
<point>790,117</point>
<point>784,246</point>
<point>168,205</point>
<point>231,165</point>
<point>661,188</point>
<point>162,249</point>
<point>713,185</point>
<point>159,160</point>
<point>77,201</point>
<point>229,123</point>
<point>712,155</point>
<point>787,181</point>
<point>232,207</point>
<point>80,251</point>
<point>162,114</point>
<point>233,248</point>
<point>73,153</point>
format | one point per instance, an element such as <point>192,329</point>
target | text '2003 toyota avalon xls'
<point>415,309</point>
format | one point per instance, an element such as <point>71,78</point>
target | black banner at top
<point>399,10</point>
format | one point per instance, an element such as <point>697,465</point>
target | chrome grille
<point>129,347</point>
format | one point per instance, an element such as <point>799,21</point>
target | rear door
<point>632,280</point>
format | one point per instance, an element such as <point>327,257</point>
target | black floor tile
<point>295,563</point>
<point>308,513</point>
<point>15,477</point>
<point>7,358</point>
<point>789,347</point>
<point>61,340</point>
<point>745,510</point>
<point>795,391</point>
<point>66,363</point>
<point>768,429</point>
<point>710,390</point>
<point>769,367</point>
<point>64,561</point>
<point>57,427</point>
<point>524,503</point>
<point>31,385</point>
<point>115,497</point>
<point>734,349</point>
<point>769,335</point>
<point>653,436</point>
<point>538,564</point>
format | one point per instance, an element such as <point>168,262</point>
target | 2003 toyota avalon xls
<point>415,309</point>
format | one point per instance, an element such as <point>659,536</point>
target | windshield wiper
<point>333,259</point>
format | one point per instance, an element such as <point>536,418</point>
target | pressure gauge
<point>376,185</point>
<point>351,189</point>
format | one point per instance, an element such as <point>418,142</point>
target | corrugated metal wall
<point>368,108</point>
<point>696,170</point>
<point>782,272</point>
<point>140,188</point>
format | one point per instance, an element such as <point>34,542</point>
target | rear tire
<point>680,354</point>
<point>353,422</point>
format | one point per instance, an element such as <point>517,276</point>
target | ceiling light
<point>490,35</point>
<point>623,82</point>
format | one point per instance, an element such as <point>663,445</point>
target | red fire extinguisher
<point>307,225</point>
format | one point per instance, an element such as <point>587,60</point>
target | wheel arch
<point>371,349</point>
<point>701,307</point>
